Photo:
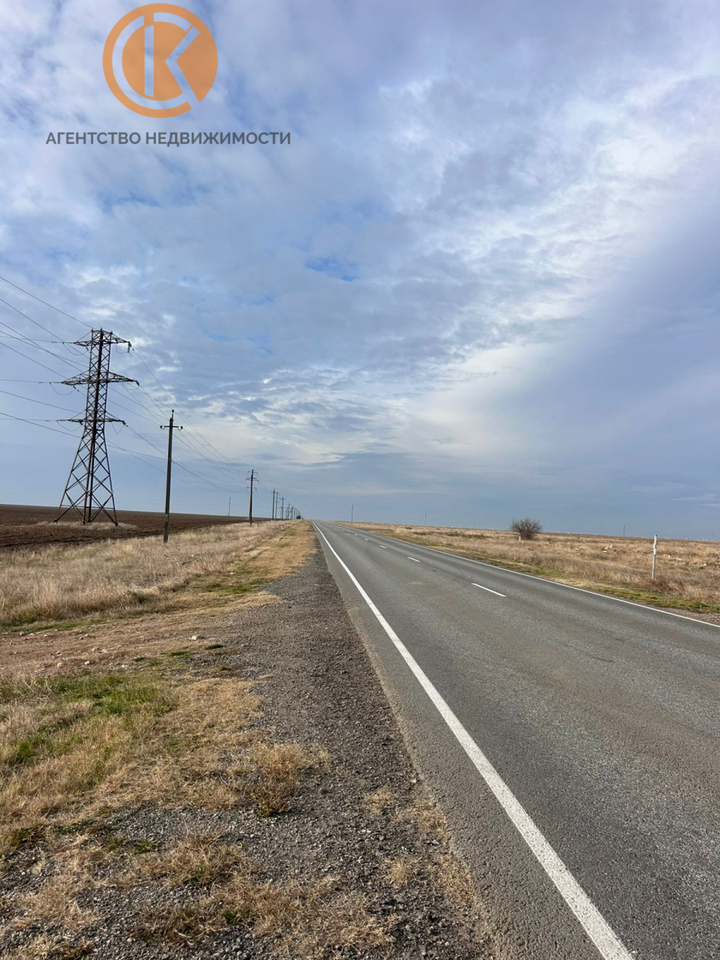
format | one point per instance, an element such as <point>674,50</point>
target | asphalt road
<point>572,739</point>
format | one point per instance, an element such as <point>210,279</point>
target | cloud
<point>486,256</point>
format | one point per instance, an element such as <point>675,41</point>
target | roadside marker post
<point>654,557</point>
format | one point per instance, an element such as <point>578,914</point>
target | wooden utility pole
<point>252,480</point>
<point>169,427</point>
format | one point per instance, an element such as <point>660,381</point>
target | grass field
<point>687,573</point>
<point>53,584</point>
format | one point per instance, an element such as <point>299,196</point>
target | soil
<point>25,526</point>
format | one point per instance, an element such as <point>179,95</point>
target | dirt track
<point>24,526</point>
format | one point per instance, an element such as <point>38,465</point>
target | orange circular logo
<point>160,60</point>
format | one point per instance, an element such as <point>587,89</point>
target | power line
<point>30,341</point>
<point>36,423</point>
<point>178,463</point>
<point>28,317</point>
<point>189,424</point>
<point>146,456</point>
<point>33,400</point>
<point>172,401</point>
<point>189,440</point>
<point>32,359</point>
<point>222,465</point>
<point>51,305</point>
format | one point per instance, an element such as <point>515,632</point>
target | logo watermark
<point>160,60</point>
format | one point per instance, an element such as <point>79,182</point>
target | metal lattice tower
<point>88,491</point>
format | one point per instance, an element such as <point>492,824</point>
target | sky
<point>480,282</point>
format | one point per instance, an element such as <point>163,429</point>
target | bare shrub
<point>527,528</point>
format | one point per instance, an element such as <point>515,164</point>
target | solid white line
<point>608,944</point>
<point>557,583</point>
<point>489,590</point>
<point>413,560</point>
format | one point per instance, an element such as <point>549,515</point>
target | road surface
<point>571,738</point>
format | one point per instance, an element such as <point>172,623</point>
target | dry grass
<point>428,818</point>
<point>121,577</point>
<point>49,948</point>
<point>77,741</point>
<point>377,802</point>
<point>198,860</point>
<point>688,571</point>
<point>75,748</point>
<point>304,920</point>
<point>273,770</point>
<point>456,881</point>
<point>402,870</point>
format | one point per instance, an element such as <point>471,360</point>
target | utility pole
<point>88,491</point>
<point>169,427</point>
<point>272,512</point>
<point>252,480</point>
<point>229,505</point>
<point>282,508</point>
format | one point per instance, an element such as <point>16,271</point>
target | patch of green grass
<point>145,846</point>
<point>233,918</point>
<point>20,624</point>
<point>45,742</point>
<point>180,653</point>
<point>79,826</point>
<point>25,836</point>
<point>115,694</point>
<point>214,646</point>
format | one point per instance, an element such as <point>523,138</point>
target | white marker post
<point>654,556</point>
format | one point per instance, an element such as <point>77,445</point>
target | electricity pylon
<point>88,491</point>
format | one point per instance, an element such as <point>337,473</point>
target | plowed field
<point>23,526</point>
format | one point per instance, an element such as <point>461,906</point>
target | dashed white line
<point>489,590</point>
<point>592,921</point>
<point>413,560</point>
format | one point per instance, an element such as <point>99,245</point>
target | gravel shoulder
<point>357,863</point>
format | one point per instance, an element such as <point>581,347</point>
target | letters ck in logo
<point>160,60</point>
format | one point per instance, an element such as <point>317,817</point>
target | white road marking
<point>597,928</point>
<point>489,590</point>
<point>382,547</point>
<point>413,560</point>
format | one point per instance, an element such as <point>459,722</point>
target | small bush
<point>527,528</point>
